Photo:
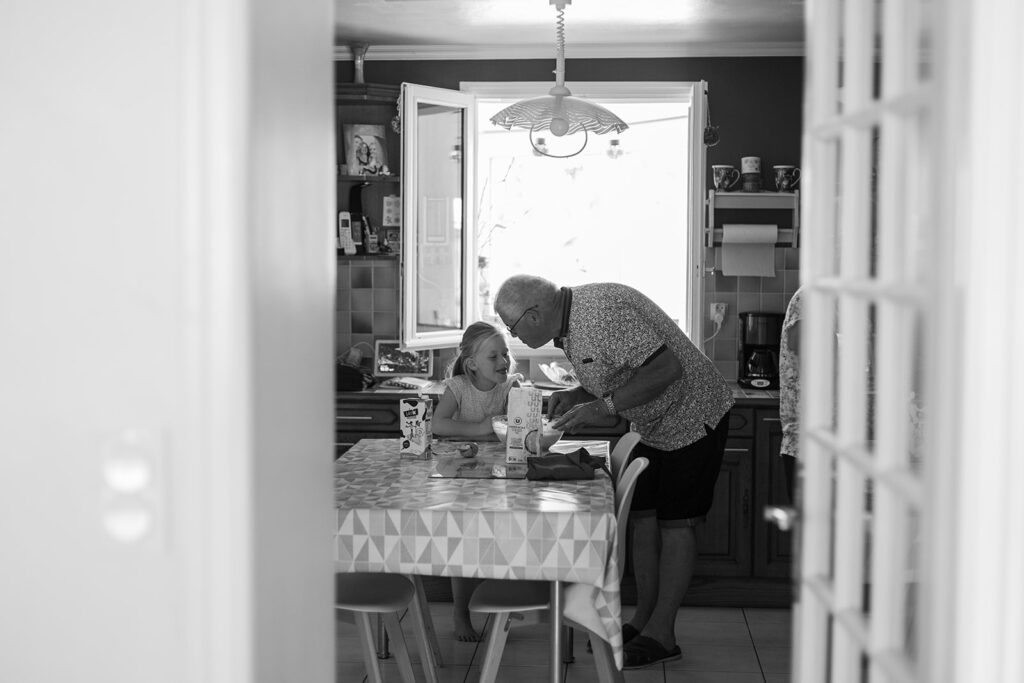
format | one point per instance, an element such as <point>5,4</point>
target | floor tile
<point>704,614</point>
<point>735,658</point>
<point>514,674</point>
<point>675,676</point>
<point>777,678</point>
<point>389,670</point>
<point>761,615</point>
<point>348,672</point>
<point>691,633</point>
<point>774,660</point>
<point>655,674</point>
<point>769,634</point>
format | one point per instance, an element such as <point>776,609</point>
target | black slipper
<point>628,634</point>
<point>643,651</point>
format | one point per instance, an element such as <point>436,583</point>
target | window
<point>622,210</point>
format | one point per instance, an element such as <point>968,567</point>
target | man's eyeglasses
<point>512,328</point>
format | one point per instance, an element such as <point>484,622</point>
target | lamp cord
<point>560,41</point>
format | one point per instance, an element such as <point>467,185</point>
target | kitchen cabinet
<point>363,194</point>
<point>784,205</point>
<point>773,548</point>
<point>743,560</point>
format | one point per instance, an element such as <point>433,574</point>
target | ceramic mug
<point>750,165</point>
<point>786,177</point>
<point>724,176</point>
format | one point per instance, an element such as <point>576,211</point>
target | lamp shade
<point>559,111</point>
<point>577,114</point>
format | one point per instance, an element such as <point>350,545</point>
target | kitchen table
<point>392,516</point>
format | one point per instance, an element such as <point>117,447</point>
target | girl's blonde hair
<point>474,336</point>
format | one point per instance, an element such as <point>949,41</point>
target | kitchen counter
<point>754,397</point>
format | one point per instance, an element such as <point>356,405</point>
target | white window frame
<point>692,92</point>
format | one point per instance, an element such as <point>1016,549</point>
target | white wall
<point>166,284</point>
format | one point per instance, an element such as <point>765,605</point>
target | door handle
<point>781,516</point>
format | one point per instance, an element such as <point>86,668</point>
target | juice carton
<point>524,416</point>
<point>415,415</point>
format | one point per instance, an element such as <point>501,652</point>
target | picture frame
<point>391,360</point>
<point>366,148</point>
<point>393,238</point>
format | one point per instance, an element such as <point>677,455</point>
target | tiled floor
<point>720,645</point>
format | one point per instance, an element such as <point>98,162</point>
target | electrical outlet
<point>717,313</point>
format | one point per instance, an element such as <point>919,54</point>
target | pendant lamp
<point>559,111</point>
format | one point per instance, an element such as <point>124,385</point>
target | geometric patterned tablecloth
<point>393,517</point>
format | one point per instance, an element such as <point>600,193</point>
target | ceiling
<point>523,29</point>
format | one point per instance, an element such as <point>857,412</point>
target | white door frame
<point>945,295</point>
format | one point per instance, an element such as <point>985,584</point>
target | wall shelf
<point>369,179</point>
<point>752,201</point>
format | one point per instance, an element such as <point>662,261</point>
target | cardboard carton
<point>415,415</point>
<point>524,415</point>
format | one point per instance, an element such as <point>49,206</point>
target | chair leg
<point>365,629</point>
<point>428,621</point>
<point>604,661</point>
<point>423,629</point>
<point>394,627</point>
<point>567,654</point>
<point>497,634</point>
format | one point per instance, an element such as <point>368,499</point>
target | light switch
<point>131,489</point>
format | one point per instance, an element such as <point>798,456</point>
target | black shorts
<point>679,485</point>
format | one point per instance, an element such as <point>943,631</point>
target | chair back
<point>623,502</point>
<point>620,454</point>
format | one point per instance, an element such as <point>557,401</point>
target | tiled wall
<point>741,295</point>
<point>366,307</point>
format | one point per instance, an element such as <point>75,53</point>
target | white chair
<point>521,602</point>
<point>364,594</point>
<point>620,454</point>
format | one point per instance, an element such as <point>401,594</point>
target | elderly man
<point>632,360</point>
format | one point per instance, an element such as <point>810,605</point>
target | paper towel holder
<point>772,201</point>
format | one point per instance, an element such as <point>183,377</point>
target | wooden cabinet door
<point>359,416</point>
<point>723,541</point>
<point>773,549</point>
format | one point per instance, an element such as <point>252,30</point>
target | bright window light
<point>617,212</point>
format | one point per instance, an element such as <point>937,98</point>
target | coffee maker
<point>760,336</point>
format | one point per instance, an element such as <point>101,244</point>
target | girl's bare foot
<point>464,631</point>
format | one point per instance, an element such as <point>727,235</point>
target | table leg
<point>556,632</point>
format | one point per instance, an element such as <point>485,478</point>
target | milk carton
<point>415,415</point>
<point>524,416</point>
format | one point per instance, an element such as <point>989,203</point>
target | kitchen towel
<point>749,249</point>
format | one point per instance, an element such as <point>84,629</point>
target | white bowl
<point>549,436</point>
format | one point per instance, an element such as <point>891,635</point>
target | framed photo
<point>390,360</point>
<point>366,150</point>
<point>392,237</point>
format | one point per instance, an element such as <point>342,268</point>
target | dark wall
<point>756,101</point>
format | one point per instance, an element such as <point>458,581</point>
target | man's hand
<point>561,402</point>
<point>592,412</point>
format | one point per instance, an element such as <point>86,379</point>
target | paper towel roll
<point>749,249</point>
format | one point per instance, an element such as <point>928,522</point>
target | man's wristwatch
<point>609,404</point>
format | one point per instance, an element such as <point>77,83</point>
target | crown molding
<point>343,53</point>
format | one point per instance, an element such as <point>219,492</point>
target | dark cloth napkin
<point>578,464</point>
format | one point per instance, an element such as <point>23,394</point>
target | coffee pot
<point>760,338</point>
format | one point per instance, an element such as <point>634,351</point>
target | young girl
<point>476,390</point>
<point>477,386</point>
